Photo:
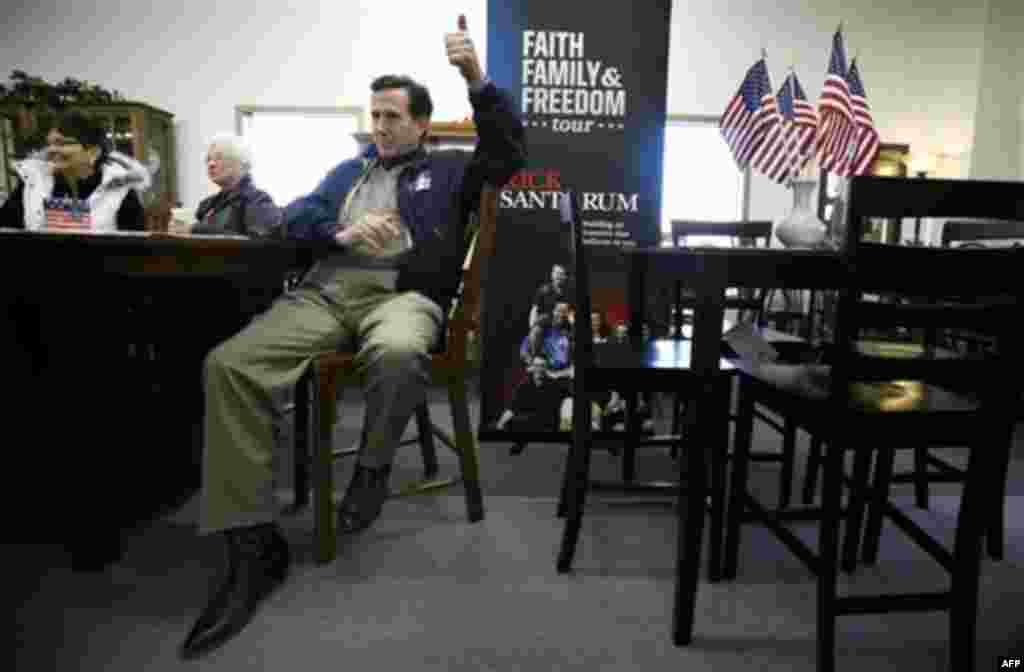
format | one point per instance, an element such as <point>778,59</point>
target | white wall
<point>999,136</point>
<point>199,59</point>
<point>920,59</point>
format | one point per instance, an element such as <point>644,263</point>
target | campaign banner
<point>591,85</point>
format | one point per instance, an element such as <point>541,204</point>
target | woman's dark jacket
<point>243,211</point>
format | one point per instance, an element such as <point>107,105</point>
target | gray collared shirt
<point>377,189</point>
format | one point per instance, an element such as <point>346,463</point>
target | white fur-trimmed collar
<point>118,170</point>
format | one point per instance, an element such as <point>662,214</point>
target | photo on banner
<point>591,87</point>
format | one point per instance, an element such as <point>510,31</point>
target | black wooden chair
<point>929,467</point>
<point>654,365</point>
<point>737,234</point>
<point>866,402</point>
<point>753,305</point>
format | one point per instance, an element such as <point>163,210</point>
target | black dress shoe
<point>257,562</point>
<point>364,498</point>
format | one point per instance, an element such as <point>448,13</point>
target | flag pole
<point>851,144</point>
<point>790,177</point>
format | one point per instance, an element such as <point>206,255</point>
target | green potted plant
<point>34,104</point>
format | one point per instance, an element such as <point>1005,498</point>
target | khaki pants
<point>245,376</point>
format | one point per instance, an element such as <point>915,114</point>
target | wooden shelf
<point>443,134</point>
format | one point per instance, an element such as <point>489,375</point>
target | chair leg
<point>301,453</point>
<point>678,409</point>
<point>719,449</point>
<point>566,487</point>
<point>744,431</point>
<point>857,503</point>
<point>465,442</point>
<point>633,433</point>
<point>828,552</point>
<point>788,454</point>
<point>811,469</point>
<point>576,482</point>
<point>323,466</point>
<point>963,617</point>
<point>690,513</point>
<point>876,510</point>
<point>425,430</point>
<point>994,535</point>
<point>921,477</point>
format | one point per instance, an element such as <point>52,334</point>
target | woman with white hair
<point>239,208</point>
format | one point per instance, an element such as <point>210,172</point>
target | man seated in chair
<point>394,222</point>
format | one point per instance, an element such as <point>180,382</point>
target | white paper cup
<point>182,219</point>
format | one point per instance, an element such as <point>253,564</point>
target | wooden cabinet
<point>136,129</point>
<point>7,180</point>
<point>147,134</point>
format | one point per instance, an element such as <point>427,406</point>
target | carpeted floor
<point>423,589</point>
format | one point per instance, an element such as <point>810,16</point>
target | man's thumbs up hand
<point>462,53</point>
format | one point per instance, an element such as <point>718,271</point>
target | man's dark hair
<point>88,130</point>
<point>420,104</point>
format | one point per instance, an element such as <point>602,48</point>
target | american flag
<point>768,159</point>
<point>750,115</point>
<point>67,214</point>
<point>805,127</point>
<point>794,147</point>
<point>801,122</point>
<point>836,122</point>
<point>865,147</point>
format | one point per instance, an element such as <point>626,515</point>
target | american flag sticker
<point>68,214</point>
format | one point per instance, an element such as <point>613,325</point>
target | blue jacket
<point>436,195</point>
<point>556,348</point>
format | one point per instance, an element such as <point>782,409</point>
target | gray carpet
<point>424,589</point>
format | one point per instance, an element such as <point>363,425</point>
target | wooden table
<point>133,254</point>
<point>709,272</point>
<point>98,449</point>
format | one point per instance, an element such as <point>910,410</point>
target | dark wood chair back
<point>977,232</point>
<point>738,234</point>
<point>935,288</point>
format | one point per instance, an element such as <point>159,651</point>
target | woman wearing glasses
<point>77,183</point>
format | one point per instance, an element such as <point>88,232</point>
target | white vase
<point>801,227</point>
